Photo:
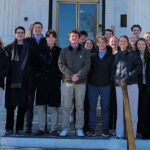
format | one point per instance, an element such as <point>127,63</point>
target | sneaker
<point>106,133</point>
<point>8,132</point>
<point>64,133</point>
<point>39,132</point>
<point>20,132</point>
<point>55,133</point>
<point>92,132</point>
<point>71,119</point>
<point>28,130</point>
<point>80,133</point>
<point>118,137</point>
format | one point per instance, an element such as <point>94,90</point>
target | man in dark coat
<point>99,84</point>
<point>48,91</point>
<point>36,45</point>
<point>17,81</point>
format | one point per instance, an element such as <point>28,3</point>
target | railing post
<point>128,119</point>
<point>29,30</point>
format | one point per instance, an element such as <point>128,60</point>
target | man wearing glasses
<point>17,81</point>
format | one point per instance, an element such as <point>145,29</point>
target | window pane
<point>88,19</point>
<point>67,22</point>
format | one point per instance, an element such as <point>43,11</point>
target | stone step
<point>71,142</point>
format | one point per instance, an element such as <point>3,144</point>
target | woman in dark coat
<point>144,89</point>
<point>126,68</point>
<point>3,68</point>
<point>48,91</point>
<point>17,81</point>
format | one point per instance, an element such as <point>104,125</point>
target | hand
<point>75,78</point>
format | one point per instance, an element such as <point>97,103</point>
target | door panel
<point>88,19</point>
<point>76,15</point>
<point>66,23</point>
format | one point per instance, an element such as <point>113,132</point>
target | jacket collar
<point>71,48</point>
<point>108,51</point>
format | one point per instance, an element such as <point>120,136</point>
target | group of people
<point>37,69</point>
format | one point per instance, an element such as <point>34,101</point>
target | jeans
<point>93,93</point>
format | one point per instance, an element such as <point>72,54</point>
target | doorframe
<point>77,2</point>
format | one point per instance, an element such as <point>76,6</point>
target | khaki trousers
<point>42,117</point>
<point>72,91</point>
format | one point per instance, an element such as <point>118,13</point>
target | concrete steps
<point>35,120</point>
<point>71,142</point>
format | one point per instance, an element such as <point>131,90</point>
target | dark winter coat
<point>100,74</point>
<point>18,75</point>
<point>48,89</point>
<point>4,66</point>
<point>144,101</point>
<point>74,62</point>
<point>34,61</point>
<point>126,68</point>
<point>147,74</point>
<point>34,54</point>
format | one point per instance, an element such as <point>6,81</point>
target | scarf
<point>18,63</point>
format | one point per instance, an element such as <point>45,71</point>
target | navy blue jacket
<point>126,67</point>
<point>100,74</point>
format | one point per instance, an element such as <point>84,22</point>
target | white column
<point>139,13</point>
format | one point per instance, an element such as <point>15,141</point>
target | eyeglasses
<point>19,32</point>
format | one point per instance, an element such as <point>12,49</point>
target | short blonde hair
<point>101,38</point>
<point>146,34</point>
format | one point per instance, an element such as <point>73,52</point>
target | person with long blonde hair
<point>147,38</point>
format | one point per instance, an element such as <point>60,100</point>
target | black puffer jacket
<point>126,67</point>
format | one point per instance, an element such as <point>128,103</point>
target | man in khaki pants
<point>74,63</point>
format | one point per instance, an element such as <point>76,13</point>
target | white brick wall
<point>12,13</point>
<point>112,17</point>
<point>139,14</point>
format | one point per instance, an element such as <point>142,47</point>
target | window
<point>123,20</point>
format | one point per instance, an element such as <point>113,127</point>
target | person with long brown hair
<point>144,88</point>
<point>126,68</point>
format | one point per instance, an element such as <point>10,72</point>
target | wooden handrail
<point>29,30</point>
<point>128,120</point>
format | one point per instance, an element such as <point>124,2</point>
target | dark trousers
<point>32,90</point>
<point>29,115</point>
<point>143,112</point>
<point>113,108</point>
<point>10,118</point>
<point>86,112</point>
